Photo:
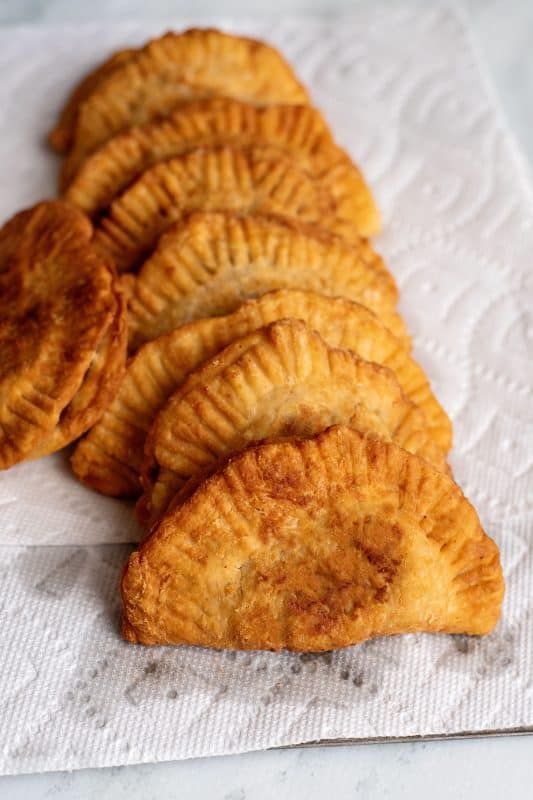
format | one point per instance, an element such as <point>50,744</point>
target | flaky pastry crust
<point>208,263</point>
<point>253,181</point>
<point>313,545</point>
<point>298,131</point>
<point>109,458</point>
<point>98,388</point>
<point>282,380</point>
<point>156,78</point>
<point>57,299</point>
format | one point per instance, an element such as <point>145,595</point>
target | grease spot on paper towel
<point>135,691</point>
<point>462,643</point>
<point>62,578</point>
<point>310,658</point>
<point>276,691</point>
<point>485,657</point>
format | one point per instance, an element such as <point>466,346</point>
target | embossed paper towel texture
<point>404,94</point>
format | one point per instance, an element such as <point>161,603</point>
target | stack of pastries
<point>205,309</point>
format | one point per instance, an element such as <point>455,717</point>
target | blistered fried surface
<point>109,458</point>
<point>313,545</point>
<point>208,263</point>
<point>252,181</point>
<point>155,78</point>
<point>56,300</point>
<point>98,388</point>
<point>298,131</point>
<point>280,381</point>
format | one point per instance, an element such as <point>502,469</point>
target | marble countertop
<point>482,768</point>
<point>476,768</point>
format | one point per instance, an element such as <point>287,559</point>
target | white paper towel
<point>403,92</point>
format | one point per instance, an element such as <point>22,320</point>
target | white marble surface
<point>477,768</point>
<point>468,768</point>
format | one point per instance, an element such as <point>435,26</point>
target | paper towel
<point>403,92</point>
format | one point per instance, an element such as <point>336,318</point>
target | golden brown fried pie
<point>154,79</point>
<point>287,453</point>
<point>208,263</point>
<point>109,458</point>
<point>257,313</point>
<point>251,181</point>
<point>298,131</point>
<point>99,386</point>
<point>312,545</point>
<point>280,381</point>
<point>58,302</point>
